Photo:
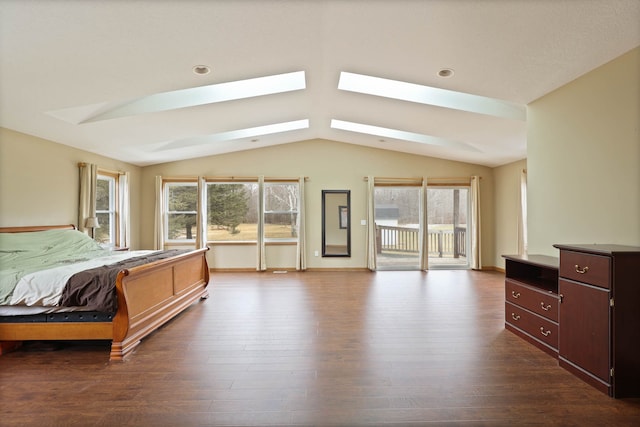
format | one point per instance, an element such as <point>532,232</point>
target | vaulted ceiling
<point>117,77</point>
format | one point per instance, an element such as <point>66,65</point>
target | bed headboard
<point>36,228</point>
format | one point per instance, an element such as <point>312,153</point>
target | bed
<point>145,295</point>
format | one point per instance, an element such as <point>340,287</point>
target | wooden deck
<point>408,261</point>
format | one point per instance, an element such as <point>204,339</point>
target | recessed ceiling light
<point>445,72</point>
<point>201,70</point>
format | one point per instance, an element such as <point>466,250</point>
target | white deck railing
<point>441,243</point>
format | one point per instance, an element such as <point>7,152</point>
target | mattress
<point>36,267</point>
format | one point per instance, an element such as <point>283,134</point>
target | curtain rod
<point>387,178</point>
<point>251,178</point>
<point>453,178</point>
<point>180,178</point>
<point>118,172</point>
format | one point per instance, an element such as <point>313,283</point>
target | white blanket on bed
<point>44,288</point>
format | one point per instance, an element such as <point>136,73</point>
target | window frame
<point>113,211</point>
<point>205,209</point>
<point>295,210</point>
<point>166,185</point>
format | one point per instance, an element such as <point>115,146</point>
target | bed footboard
<point>152,294</point>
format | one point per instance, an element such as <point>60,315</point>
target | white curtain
<point>87,201</point>
<point>201,215</point>
<point>522,217</point>
<point>474,224</point>
<point>424,228</point>
<point>124,210</point>
<point>260,249</point>
<point>371,225</point>
<point>301,249</point>
<point>158,239</point>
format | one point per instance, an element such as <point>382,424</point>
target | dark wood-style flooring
<point>317,348</point>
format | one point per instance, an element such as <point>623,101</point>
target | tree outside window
<point>232,212</point>
<point>281,211</point>
<point>181,207</point>
<point>106,210</point>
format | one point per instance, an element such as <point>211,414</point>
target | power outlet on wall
<point>315,253</point>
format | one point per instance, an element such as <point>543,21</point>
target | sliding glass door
<point>397,220</point>
<point>398,227</point>
<point>447,214</point>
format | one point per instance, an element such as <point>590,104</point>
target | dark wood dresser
<point>583,308</point>
<point>531,299</point>
<point>599,290</point>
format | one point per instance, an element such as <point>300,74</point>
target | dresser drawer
<point>539,301</point>
<point>586,268</point>
<point>536,326</point>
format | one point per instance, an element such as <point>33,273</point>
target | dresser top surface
<point>539,260</point>
<point>600,249</point>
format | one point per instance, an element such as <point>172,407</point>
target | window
<point>181,204</point>
<point>281,211</point>
<point>232,212</point>
<point>106,209</point>
<point>522,224</point>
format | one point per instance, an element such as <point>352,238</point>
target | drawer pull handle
<point>581,270</point>
<point>515,316</point>
<point>515,294</point>
<point>543,332</point>
<point>545,307</point>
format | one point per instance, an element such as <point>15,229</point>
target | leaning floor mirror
<point>336,223</point>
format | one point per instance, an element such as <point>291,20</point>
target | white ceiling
<point>58,55</point>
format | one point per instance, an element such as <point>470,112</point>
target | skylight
<point>190,97</point>
<point>234,134</point>
<point>430,95</point>
<point>399,134</point>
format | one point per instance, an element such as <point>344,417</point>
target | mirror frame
<point>347,193</point>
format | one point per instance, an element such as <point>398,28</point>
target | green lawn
<point>249,232</point>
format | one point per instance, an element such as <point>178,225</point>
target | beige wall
<point>328,165</point>
<point>507,209</point>
<point>584,159</point>
<point>39,181</point>
<point>39,185</point>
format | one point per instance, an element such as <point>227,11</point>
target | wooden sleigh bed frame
<point>148,296</point>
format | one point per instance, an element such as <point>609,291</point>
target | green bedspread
<point>24,253</point>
